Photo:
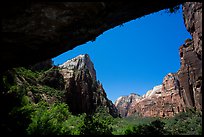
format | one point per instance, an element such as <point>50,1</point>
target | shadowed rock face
<point>35,31</point>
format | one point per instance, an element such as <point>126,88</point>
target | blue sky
<point>135,57</point>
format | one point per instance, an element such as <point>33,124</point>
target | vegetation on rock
<point>33,107</point>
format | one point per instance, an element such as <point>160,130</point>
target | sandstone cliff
<point>123,103</point>
<point>183,89</point>
<point>74,83</point>
<point>190,72</point>
<point>163,100</point>
<point>83,92</point>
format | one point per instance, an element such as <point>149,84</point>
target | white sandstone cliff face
<point>83,92</point>
<point>156,91</point>
<point>127,99</point>
<point>79,63</point>
<point>123,103</point>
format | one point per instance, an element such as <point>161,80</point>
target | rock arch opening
<point>33,32</point>
<point>136,56</point>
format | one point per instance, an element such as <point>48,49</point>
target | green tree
<point>98,124</point>
<point>48,119</point>
<point>185,123</point>
<point>73,125</point>
<point>154,128</point>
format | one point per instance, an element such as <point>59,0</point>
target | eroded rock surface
<point>190,72</point>
<point>183,89</point>
<point>83,92</point>
<point>123,103</point>
<point>162,101</point>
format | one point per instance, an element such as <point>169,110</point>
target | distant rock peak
<point>81,62</point>
<point>123,103</point>
<point>155,91</point>
<point>78,62</point>
<point>84,94</point>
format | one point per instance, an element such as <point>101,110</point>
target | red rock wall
<point>183,89</point>
<point>190,72</point>
<point>166,104</point>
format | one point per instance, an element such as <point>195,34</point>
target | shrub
<point>48,120</point>
<point>185,123</point>
<point>27,73</point>
<point>52,78</point>
<point>73,125</point>
<point>98,124</point>
<point>154,128</point>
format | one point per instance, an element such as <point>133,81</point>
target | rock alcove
<point>36,31</point>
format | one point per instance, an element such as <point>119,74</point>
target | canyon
<point>32,32</point>
<point>35,32</point>
<point>181,90</point>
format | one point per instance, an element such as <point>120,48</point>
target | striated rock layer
<point>183,89</point>
<point>83,92</point>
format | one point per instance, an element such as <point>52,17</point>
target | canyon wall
<point>190,72</point>
<point>34,31</point>
<point>162,101</point>
<point>83,92</point>
<point>183,89</point>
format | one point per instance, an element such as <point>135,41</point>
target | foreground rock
<point>31,32</point>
